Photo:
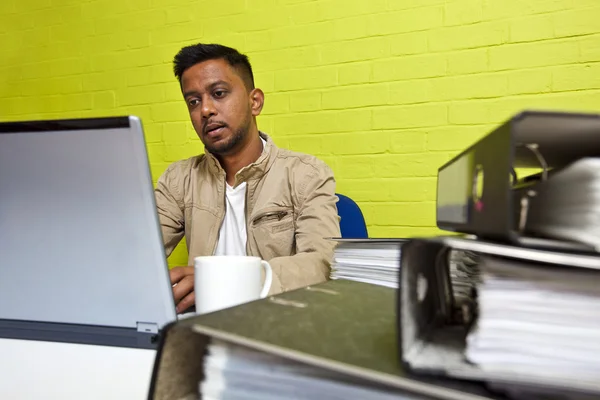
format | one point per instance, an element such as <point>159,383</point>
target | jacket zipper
<point>272,215</point>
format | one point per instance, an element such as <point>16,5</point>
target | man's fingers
<point>187,302</point>
<point>178,273</point>
<point>183,288</point>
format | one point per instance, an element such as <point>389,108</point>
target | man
<point>244,196</point>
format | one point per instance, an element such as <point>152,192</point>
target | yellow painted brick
<point>405,214</point>
<point>463,12</point>
<point>373,142</point>
<point>412,164</point>
<point>568,101</point>
<point>410,67</point>
<point>175,15</point>
<point>306,144</point>
<point>532,28</point>
<point>264,80</point>
<point>410,116</point>
<point>255,20</point>
<point>298,57</point>
<point>577,22</point>
<point>303,35</point>
<point>157,169</point>
<point>406,20</point>
<point>412,91</point>
<point>407,4</point>
<point>149,94</point>
<point>576,77</point>
<point>404,142</point>
<point>476,86</point>
<point>355,96</point>
<point>265,123</point>
<point>137,39</point>
<point>76,102</point>
<point>333,9</point>
<point>354,73</point>
<point>258,41</point>
<point>108,80</point>
<point>413,189</point>
<point>305,13</point>
<point>379,231</point>
<point>276,103</point>
<point>172,91</point>
<point>349,28</point>
<point>37,70</point>
<point>537,54</point>
<point>153,133</point>
<point>143,112</point>
<point>469,112</point>
<point>103,100</point>
<point>467,61</point>
<point>590,51</point>
<point>409,43</point>
<point>468,36</point>
<point>156,152</point>
<point>355,50</point>
<point>356,167</point>
<point>509,8</point>
<point>68,66</point>
<point>36,37</point>
<point>179,152</point>
<point>323,122</point>
<point>537,80</point>
<point>169,112</point>
<point>175,33</point>
<point>176,133</point>
<point>305,101</point>
<point>144,19</point>
<point>312,78</point>
<point>455,138</point>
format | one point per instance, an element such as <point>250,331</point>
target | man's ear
<point>257,100</point>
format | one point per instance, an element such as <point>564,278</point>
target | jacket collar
<point>253,171</point>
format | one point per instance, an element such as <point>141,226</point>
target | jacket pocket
<point>274,232</point>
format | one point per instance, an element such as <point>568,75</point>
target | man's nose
<point>208,108</point>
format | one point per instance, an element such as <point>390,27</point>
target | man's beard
<point>225,147</point>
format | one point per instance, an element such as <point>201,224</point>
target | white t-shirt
<point>232,235</point>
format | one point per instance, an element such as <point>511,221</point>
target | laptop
<point>81,252</point>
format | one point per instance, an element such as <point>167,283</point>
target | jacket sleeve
<point>317,221</point>
<point>169,204</point>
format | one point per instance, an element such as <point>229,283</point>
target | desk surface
<point>48,370</point>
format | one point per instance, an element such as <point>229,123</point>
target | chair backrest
<point>352,222</point>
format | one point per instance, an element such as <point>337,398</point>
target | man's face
<point>220,105</point>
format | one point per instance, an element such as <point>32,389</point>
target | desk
<point>49,370</point>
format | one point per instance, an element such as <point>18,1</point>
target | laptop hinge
<point>149,327</point>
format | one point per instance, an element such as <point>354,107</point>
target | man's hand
<point>182,279</point>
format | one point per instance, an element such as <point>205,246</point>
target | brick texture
<point>384,91</point>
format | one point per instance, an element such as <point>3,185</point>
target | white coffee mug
<point>226,281</point>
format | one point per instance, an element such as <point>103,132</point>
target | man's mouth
<point>213,129</point>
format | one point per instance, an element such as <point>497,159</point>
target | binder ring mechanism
<point>525,199</point>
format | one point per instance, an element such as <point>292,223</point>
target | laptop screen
<point>79,236</point>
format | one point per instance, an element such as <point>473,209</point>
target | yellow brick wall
<point>383,90</point>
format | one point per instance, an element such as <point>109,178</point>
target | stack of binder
<point>524,319</point>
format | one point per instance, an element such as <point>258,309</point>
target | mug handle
<point>268,278</point>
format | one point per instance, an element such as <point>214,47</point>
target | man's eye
<point>219,93</point>
<point>193,102</point>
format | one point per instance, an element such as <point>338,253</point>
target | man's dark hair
<point>197,53</point>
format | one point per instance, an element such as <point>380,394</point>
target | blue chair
<point>352,222</point>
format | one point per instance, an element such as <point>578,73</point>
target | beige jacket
<point>290,211</point>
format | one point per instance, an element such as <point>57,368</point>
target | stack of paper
<point>233,372</point>
<point>539,323</point>
<point>464,275</point>
<point>375,261</point>
<point>567,205</point>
